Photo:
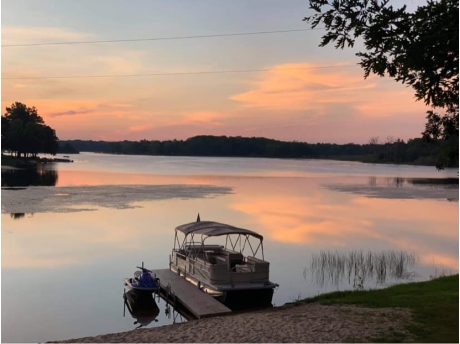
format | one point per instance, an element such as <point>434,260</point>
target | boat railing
<point>249,269</point>
<point>193,248</point>
<point>180,254</point>
<point>200,246</point>
<point>202,264</point>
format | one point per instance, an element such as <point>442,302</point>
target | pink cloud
<point>208,118</point>
<point>137,128</point>
<point>311,105</point>
<point>287,89</point>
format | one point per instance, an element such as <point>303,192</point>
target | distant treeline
<point>415,151</point>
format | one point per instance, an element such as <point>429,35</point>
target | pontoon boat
<point>235,279</point>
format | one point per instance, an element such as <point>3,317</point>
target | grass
<point>434,305</point>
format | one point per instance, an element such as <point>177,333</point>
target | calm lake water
<point>72,231</point>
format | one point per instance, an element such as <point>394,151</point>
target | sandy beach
<point>307,323</point>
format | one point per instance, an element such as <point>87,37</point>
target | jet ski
<point>143,281</point>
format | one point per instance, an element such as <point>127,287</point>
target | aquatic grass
<point>434,305</point>
<point>357,266</point>
<point>442,273</point>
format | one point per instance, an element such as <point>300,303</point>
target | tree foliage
<point>419,49</point>
<point>25,133</point>
<point>416,151</point>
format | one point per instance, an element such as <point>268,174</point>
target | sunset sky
<point>296,98</point>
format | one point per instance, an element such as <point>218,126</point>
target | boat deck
<point>196,301</point>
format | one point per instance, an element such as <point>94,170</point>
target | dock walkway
<point>196,301</point>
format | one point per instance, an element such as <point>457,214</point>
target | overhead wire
<point>158,38</point>
<point>172,73</point>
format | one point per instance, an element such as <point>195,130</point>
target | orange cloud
<point>80,119</point>
<point>29,34</point>
<point>47,107</point>
<point>120,105</point>
<point>137,128</point>
<point>292,89</point>
<point>283,88</point>
<point>301,102</point>
<point>210,118</point>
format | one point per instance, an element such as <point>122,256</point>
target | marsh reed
<point>357,266</point>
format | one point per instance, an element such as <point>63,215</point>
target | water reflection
<point>372,181</point>
<point>142,307</point>
<point>403,188</point>
<point>433,181</point>
<point>400,182</point>
<point>357,267</point>
<point>28,177</point>
<point>60,247</point>
<point>177,315</point>
<point>17,216</point>
<point>396,182</point>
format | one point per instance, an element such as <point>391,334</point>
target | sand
<point>307,323</point>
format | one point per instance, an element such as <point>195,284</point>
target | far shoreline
<point>14,161</point>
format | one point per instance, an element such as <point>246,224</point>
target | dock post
<point>124,301</point>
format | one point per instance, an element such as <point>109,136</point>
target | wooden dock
<point>193,299</point>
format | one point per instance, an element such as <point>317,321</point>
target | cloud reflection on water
<point>80,258</point>
<point>320,217</point>
<point>295,211</point>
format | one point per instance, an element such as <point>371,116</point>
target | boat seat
<point>254,260</point>
<point>202,261</point>
<point>211,259</point>
<point>221,260</point>
<point>234,262</point>
<point>244,268</point>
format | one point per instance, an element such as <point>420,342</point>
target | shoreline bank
<point>418,311</point>
<point>294,323</point>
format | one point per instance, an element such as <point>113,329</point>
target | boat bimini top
<point>212,229</point>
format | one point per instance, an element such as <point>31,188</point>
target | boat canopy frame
<point>209,229</point>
